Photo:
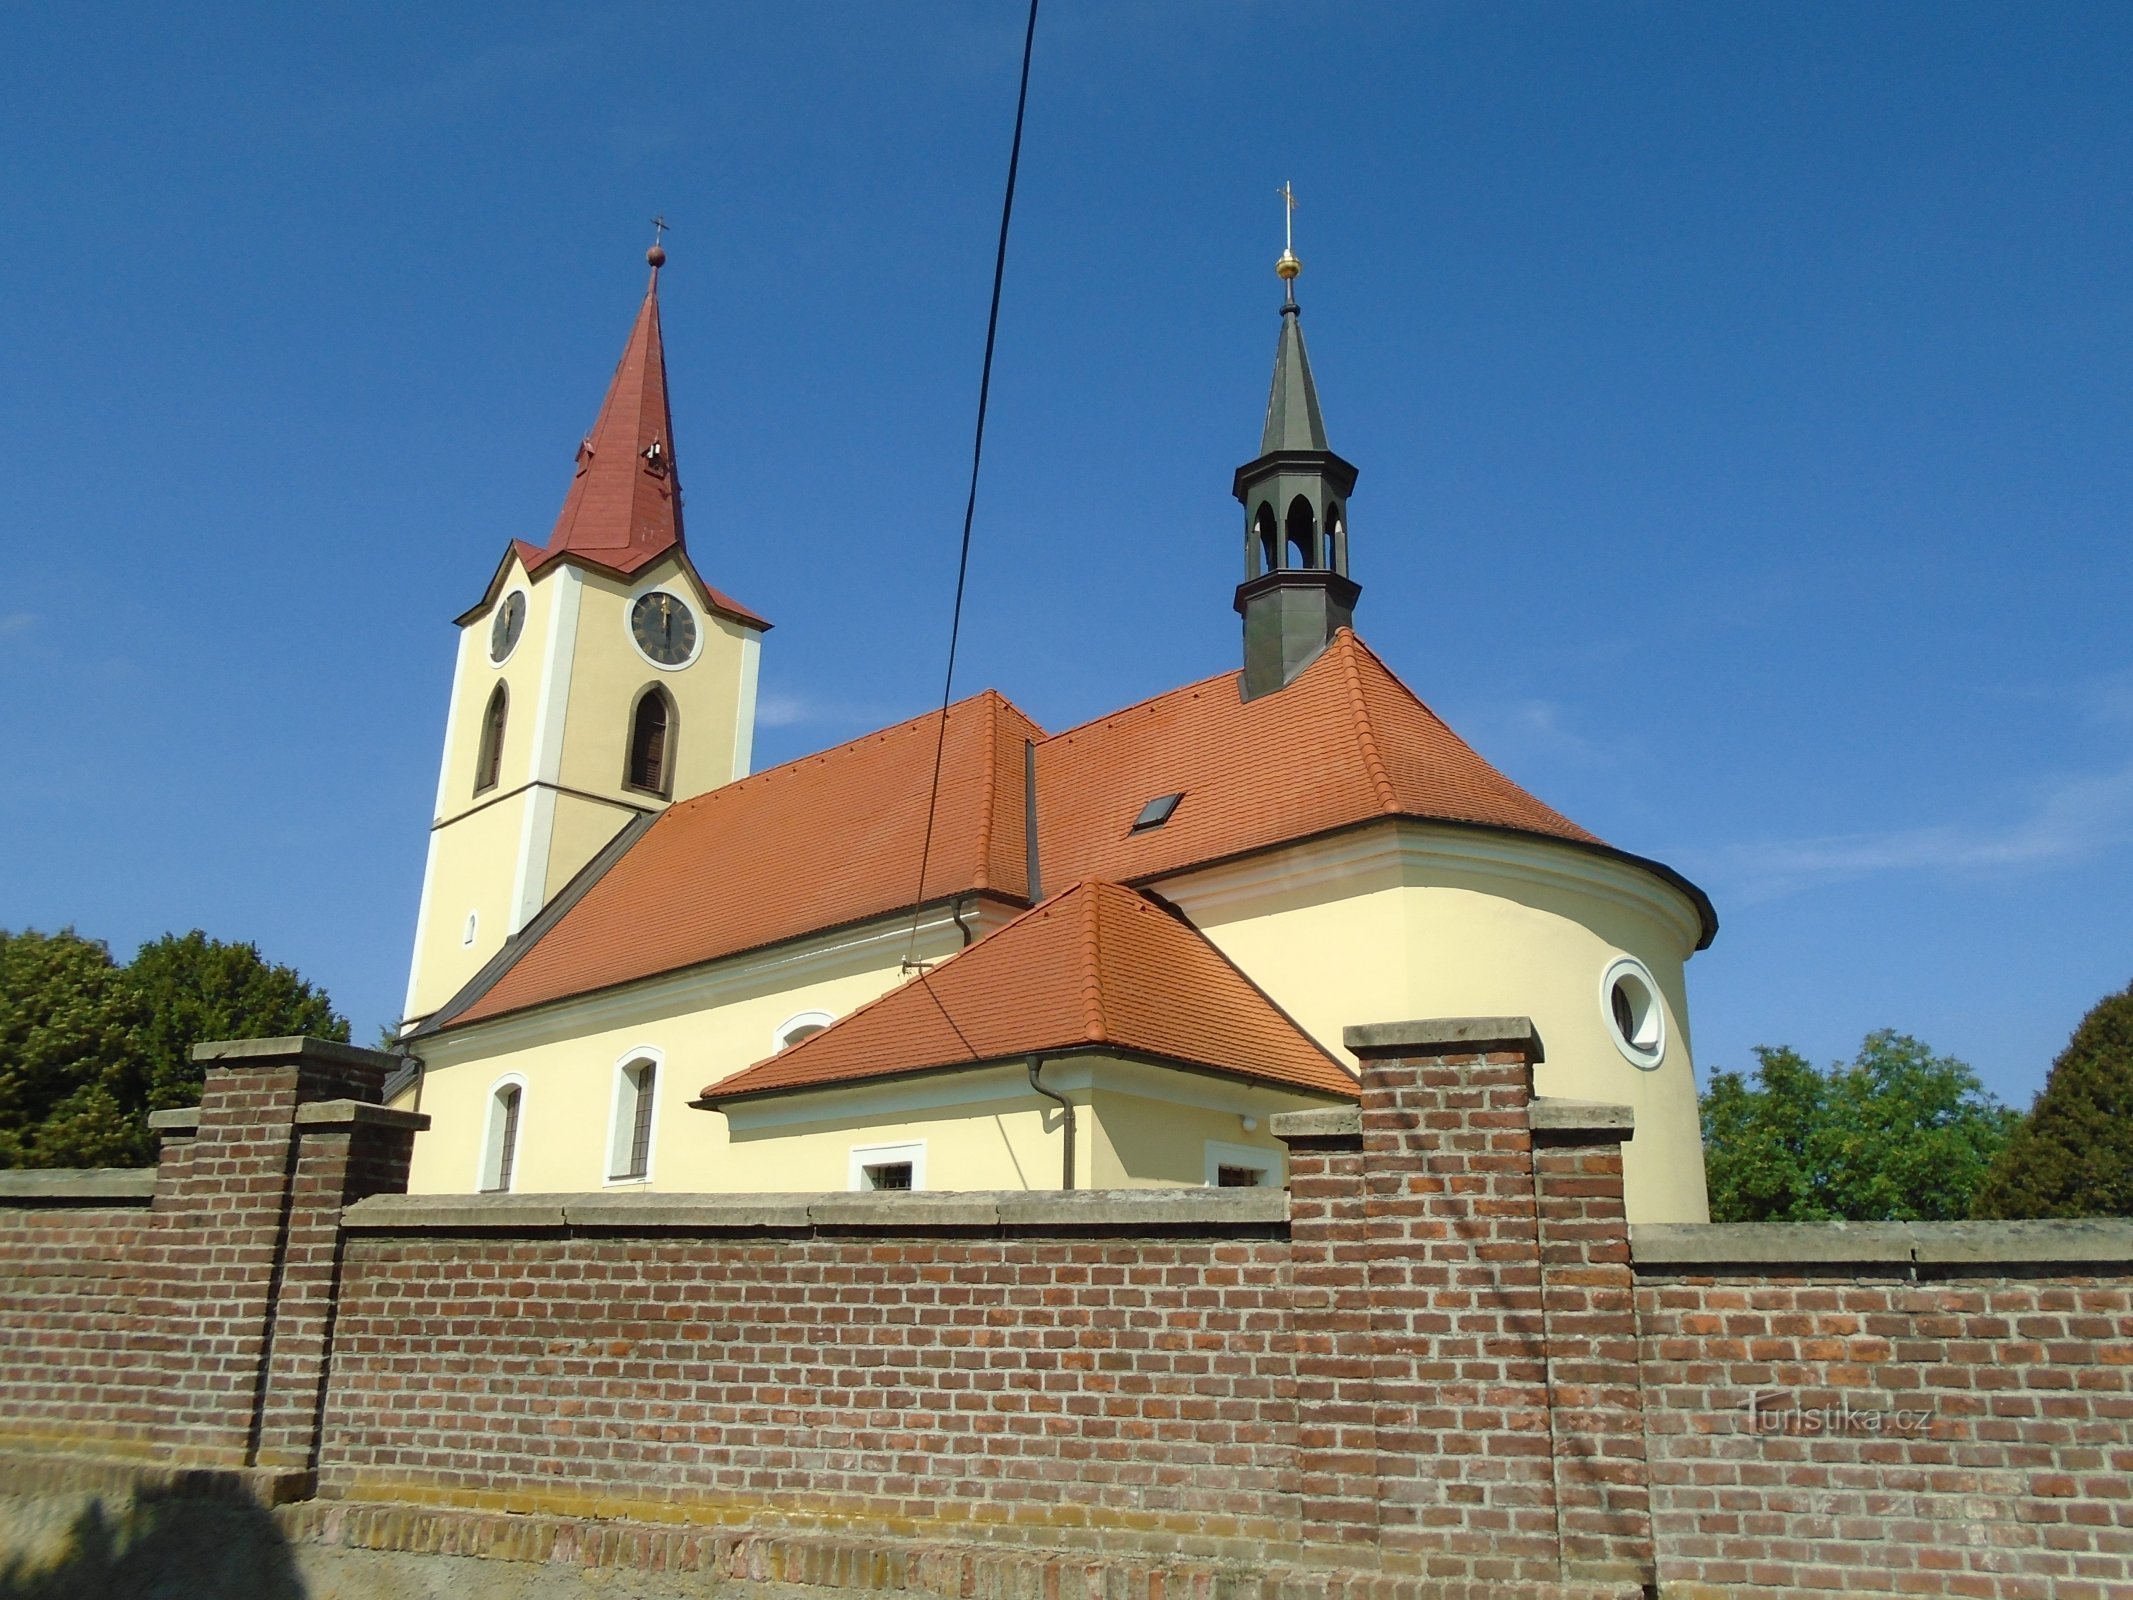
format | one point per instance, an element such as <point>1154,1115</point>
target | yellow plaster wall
<point>469,871</point>
<point>1422,939</point>
<point>578,620</point>
<point>476,839</point>
<point>611,673</point>
<point>705,1026</point>
<point>1147,1143</point>
<point>1000,1137</point>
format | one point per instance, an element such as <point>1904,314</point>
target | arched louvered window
<point>650,765</point>
<point>1266,537</point>
<point>1302,531</point>
<point>489,758</point>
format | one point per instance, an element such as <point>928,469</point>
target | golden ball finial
<point>1288,266</point>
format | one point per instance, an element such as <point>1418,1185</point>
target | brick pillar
<point>1596,1418</point>
<point>1466,1483</point>
<point>244,1241</point>
<point>1336,1396</point>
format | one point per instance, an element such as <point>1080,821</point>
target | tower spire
<point>624,505</point>
<point>1296,592</point>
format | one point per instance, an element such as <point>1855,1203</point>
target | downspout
<point>955,911</point>
<point>1066,1107</point>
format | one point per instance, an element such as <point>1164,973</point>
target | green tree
<point>192,988</point>
<point>2073,1156</point>
<point>88,1048</point>
<point>69,1067</point>
<point>1898,1133</point>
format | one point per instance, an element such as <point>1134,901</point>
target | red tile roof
<point>820,842</point>
<point>623,509</point>
<point>834,838</point>
<point>1095,967</point>
<point>1345,743</point>
<point>624,505</point>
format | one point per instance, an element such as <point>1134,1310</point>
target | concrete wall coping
<point>1325,1122</point>
<point>1151,1211</point>
<point>78,1186</point>
<point>1443,1036</point>
<point>1548,1114</point>
<point>326,1052</point>
<point>177,1120</point>
<point>347,1113</point>
<point>2094,1241</point>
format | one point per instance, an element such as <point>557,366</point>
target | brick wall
<point>1440,1365</point>
<point>70,1362</point>
<point>1884,1427</point>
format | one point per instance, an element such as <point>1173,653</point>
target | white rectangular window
<point>888,1166</point>
<point>1242,1166</point>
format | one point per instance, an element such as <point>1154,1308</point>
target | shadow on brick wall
<point>182,1542</point>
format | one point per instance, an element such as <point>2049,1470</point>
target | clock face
<point>664,628</point>
<point>504,631</point>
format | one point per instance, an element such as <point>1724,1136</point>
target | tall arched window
<point>1268,538</point>
<point>489,759</point>
<point>500,1149</point>
<point>630,1153</point>
<point>1336,537</point>
<point>1302,531</point>
<point>650,765</point>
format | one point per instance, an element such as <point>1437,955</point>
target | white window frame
<point>1646,1052</point>
<point>881,1155</point>
<point>620,1129</point>
<point>799,1019</point>
<point>1265,1162</point>
<point>470,929</point>
<point>490,1161</point>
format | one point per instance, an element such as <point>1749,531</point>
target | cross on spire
<point>1288,266</point>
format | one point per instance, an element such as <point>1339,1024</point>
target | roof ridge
<point>1140,704</point>
<point>989,785</point>
<point>1366,737</point>
<point>1092,994</point>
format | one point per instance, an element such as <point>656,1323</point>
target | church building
<point>639,965</point>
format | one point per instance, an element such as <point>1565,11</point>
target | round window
<point>1629,1000</point>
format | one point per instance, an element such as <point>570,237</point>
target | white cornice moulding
<point>1398,852</point>
<point>933,1091</point>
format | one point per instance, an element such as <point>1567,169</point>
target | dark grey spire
<point>1292,419</point>
<point>1296,592</point>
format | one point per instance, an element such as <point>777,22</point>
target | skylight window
<point>1156,812</point>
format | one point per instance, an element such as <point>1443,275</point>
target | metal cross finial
<point>659,226</point>
<point>1288,266</point>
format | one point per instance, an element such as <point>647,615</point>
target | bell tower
<point>598,680</point>
<point>1296,592</point>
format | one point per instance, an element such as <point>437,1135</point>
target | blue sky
<point>1741,396</point>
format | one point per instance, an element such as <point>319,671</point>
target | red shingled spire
<point>624,505</point>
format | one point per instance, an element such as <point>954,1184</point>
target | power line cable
<point>970,505</point>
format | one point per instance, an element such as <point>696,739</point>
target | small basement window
<point>888,1166</point>
<point>1157,812</point>
<point>1241,1166</point>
